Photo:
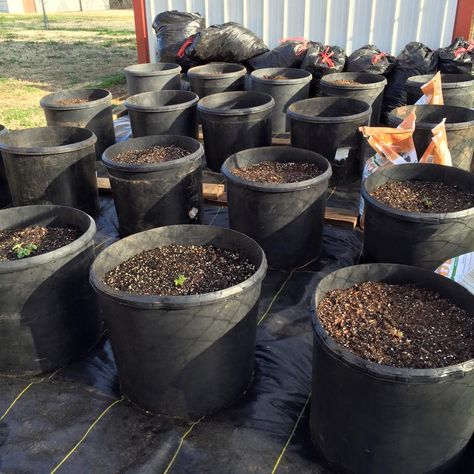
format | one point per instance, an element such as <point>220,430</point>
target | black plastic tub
<point>286,220</point>
<point>214,78</point>
<point>51,165</point>
<point>184,356</point>
<point>370,89</point>
<point>459,129</point>
<point>5,196</point>
<point>159,194</point>
<point>372,418</point>
<point>415,238</point>
<point>95,114</point>
<point>152,77</point>
<point>283,91</point>
<point>325,124</point>
<point>163,113</point>
<point>458,89</point>
<point>49,314</point>
<point>234,121</point>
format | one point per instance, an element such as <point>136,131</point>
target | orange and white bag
<point>393,146</point>
<point>437,151</point>
<point>432,92</point>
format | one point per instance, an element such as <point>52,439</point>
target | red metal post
<point>463,20</point>
<point>141,31</point>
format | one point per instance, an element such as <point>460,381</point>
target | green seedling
<point>24,250</point>
<point>427,202</point>
<point>180,280</point>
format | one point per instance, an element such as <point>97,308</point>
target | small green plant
<point>24,250</point>
<point>427,202</point>
<point>179,281</point>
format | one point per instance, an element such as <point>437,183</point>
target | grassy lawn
<point>78,50</point>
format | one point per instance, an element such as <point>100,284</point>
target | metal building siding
<point>389,24</point>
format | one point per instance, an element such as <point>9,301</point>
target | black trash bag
<point>457,58</point>
<point>321,60</point>
<point>172,28</point>
<point>229,42</point>
<point>370,59</point>
<point>415,59</point>
<point>289,53</point>
<point>183,57</point>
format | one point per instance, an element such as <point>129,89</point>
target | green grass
<point>22,118</point>
<point>117,79</point>
<point>78,50</point>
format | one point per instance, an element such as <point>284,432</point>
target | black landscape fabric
<point>75,421</point>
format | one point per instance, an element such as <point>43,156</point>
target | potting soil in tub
<point>423,196</point>
<point>75,101</point>
<point>347,82</point>
<point>154,154</point>
<point>26,242</point>
<point>398,325</point>
<point>180,270</point>
<point>277,77</point>
<point>77,417</point>
<point>275,172</point>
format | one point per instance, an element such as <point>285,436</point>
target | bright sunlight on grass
<point>80,49</point>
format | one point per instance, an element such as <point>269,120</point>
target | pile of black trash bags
<point>184,39</point>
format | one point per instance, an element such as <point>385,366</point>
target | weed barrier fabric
<point>266,430</point>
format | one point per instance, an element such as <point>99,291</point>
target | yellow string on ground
<point>16,399</point>
<point>104,242</point>
<point>84,436</point>
<point>215,215</point>
<point>181,441</point>
<point>264,315</point>
<point>293,431</point>
<point>275,296</point>
<point>12,404</point>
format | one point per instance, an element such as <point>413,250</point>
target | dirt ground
<point>80,49</point>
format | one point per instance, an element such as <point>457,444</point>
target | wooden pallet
<point>216,194</point>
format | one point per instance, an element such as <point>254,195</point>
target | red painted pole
<point>141,31</point>
<point>463,20</point>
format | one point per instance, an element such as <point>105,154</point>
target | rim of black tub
<point>8,143</point>
<point>424,217</point>
<point>83,240</point>
<point>398,114</point>
<point>374,81</point>
<point>380,370</point>
<point>235,70</point>
<point>158,301</point>
<point>280,187</point>
<point>142,143</point>
<point>365,110</point>
<point>448,81</point>
<point>184,100</point>
<point>98,96</point>
<point>301,76</point>
<point>216,104</point>
<point>153,69</point>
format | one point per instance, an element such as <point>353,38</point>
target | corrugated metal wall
<point>53,6</point>
<point>389,24</point>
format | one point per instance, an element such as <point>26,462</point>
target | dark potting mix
<point>398,325</point>
<point>423,196</point>
<point>210,73</point>
<point>153,154</point>
<point>180,270</point>
<point>279,173</point>
<point>17,243</point>
<point>276,77</point>
<point>347,82</point>
<point>75,101</point>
